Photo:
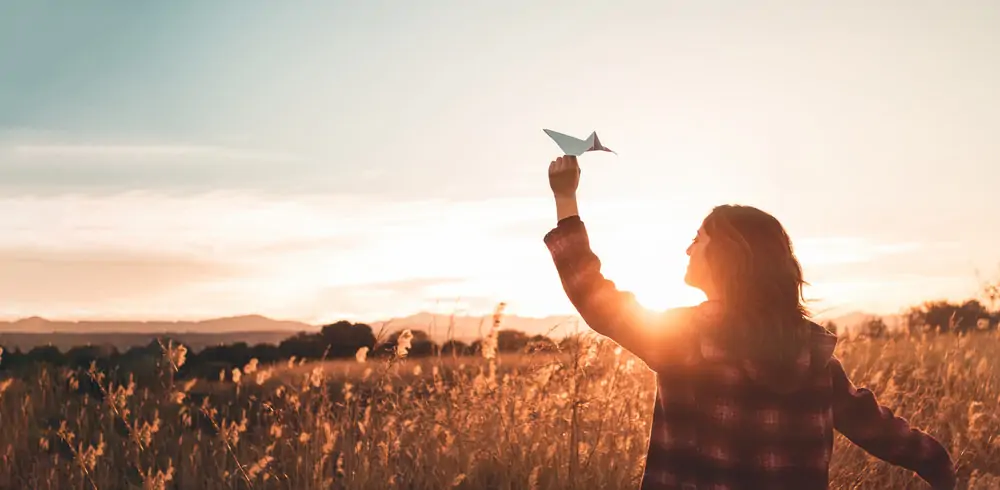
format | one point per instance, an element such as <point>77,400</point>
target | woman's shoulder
<point>682,331</point>
<point>694,318</point>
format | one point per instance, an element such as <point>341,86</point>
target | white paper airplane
<point>576,147</point>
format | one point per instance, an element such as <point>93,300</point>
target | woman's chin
<point>688,280</point>
<point>692,280</point>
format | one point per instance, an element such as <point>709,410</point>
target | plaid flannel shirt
<point>714,425</point>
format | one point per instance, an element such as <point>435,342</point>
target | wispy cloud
<point>839,250</point>
<point>95,153</point>
<point>51,164</point>
<point>62,280</point>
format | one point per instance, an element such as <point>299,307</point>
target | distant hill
<point>254,329</point>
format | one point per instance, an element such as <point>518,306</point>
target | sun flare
<point>663,295</point>
<point>657,283</point>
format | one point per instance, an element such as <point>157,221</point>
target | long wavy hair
<point>758,279</point>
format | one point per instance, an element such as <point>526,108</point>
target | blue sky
<point>363,159</point>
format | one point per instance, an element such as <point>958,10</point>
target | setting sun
<point>657,282</point>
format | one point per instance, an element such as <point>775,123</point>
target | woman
<point>748,389</point>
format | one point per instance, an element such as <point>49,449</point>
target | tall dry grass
<point>576,419</point>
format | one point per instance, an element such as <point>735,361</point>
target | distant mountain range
<point>252,329</point>
<point>255,329</point>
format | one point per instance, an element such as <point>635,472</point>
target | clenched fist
<point>564,176</point>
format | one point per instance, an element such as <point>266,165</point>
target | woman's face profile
<point>697,274</point>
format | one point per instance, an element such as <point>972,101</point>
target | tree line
<point>343,340</point>
<point>932,316</point>
<point>340,340</point>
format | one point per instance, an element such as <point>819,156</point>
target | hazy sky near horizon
<point>369,159</point>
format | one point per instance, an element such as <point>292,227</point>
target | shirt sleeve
<point>655,337</point>
<point>873,427</point>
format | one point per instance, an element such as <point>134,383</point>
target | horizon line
<point>826,314</point>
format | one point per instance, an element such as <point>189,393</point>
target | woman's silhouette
<point>748,390</point>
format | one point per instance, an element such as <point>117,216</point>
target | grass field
<point>571,420</point>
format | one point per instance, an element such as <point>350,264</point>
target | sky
<point>362,160</point>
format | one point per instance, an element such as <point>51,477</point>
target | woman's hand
<point>564,176</point>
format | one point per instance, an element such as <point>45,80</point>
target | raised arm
<point>873,427</point>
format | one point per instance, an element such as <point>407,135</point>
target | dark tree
<point>421,345</point>
<point>511,341</point>
<point>46,354</point>
<point>945,316</point>
<point>345,338</point>
<point>874,328</point>
<point>80,357</point>
<point>265,353</point>
<point>302,346</point>
<point>455,348</point>
<point>541,343</point>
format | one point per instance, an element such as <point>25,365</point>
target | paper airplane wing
<point>595,144</point>
<point>568,144</point>
<point>576,147</point>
